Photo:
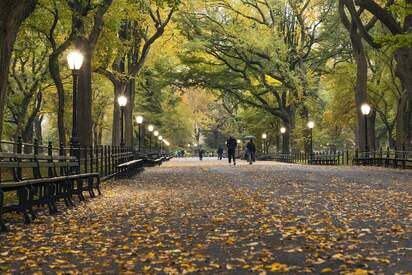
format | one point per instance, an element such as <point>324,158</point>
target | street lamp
<point>366,109</point>
<point>150,128</point>
<point>283,132</point>
<point>74,61</point>
<point>139,121</point>
<point>161,144</point>
<point>156,134</point>
<point>264,137</point>
<point>311,125</point>
<point>122,100</point>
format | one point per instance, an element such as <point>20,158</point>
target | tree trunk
<point>403,122</point>
<point>129,121</point>
<point>54,68</point>
<point>361,91</point>
<point>119,88</point>
<point>12,14</point>
<point>38,129</point>
<point>84,97</point>
<point>403,57</point>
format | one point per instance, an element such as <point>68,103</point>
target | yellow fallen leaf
<point>326,270</point>
<point>279,267</point>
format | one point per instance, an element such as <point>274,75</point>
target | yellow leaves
<point>338,256</point>
<point>279,267</point>
<point>273,82</point>
<point>218,219</point>
<point>326,270</point>
<point>149,256</point>
<point>230,241</point>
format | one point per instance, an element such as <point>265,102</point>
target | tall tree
<point>86,38</point>
<point>361,95</point>
<point>397,20</point>
<point>139,35</point>
<point>12,14</point>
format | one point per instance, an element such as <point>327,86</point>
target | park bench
<point>395,159</point>
<point>130,168</point>
<point>42,180</point>
<point>323,159</point>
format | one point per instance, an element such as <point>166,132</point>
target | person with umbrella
<point>231,144</point>
<point>251,151</point>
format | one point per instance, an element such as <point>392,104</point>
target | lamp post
<point>311,125</point>
<point>75,61</point>
<point>264,137</point>
<point>161,144</point>
<point>239,148</point>
<point>122,100</point>
<point>283,132</point>
<point>156,134</point>
<point>150,128</point>
<point>139,121</point>
<point>366,109</point>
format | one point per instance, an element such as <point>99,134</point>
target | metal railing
<point>102,159</point>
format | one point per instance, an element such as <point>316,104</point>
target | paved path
<point>209,217</point>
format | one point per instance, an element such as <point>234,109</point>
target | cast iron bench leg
<point>23,204</point>
<point>98,186</point>
<point>49,194</point>
<point>3,227</point>
<point>32,191</point>
<point>80,189</point>
<point>90,187</point>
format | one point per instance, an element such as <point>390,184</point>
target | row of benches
<point>42,180</point>
<point>397,159</point>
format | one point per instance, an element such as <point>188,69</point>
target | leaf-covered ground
<point>209,217</point>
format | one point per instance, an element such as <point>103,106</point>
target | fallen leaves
<point>260,219</point>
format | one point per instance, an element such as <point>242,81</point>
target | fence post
<point>36,147</point>
<point>403,156</point>
<point>86,156</point>
<point>91,152</point>
<point>19,150</point>
<point>106,163</point>
<point>395,162</point>
<point>101,160</point>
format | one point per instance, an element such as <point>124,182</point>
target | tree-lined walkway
<point>207,216</point>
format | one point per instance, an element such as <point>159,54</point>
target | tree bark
<point>129,121</point>
<point>119,88</point>
<point>403,58</point>
<point>54,68</point>
<point>12,14</point>
<point>359,55</point>
<point>84,96</point>
<point>403,122</point>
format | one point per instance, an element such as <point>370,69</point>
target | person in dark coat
<point>220,152</point>
<point>231,144</point>
<point>251,151</point>
<point>201,152</point>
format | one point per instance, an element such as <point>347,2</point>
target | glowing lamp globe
<point>311,124</point>
<point>139,119</point>
<point>75,60</point>
<point>283,130</point>
<point>366,109</point>
<point>122,100</point>
<point>150,128</point>
<point>264,136</point>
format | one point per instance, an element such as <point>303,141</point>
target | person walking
<point>220,152</point>
<point>201,152</point>
<point>251,151</point>
<point>231,144</point>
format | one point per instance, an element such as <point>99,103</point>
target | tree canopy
<point>201,70</point>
